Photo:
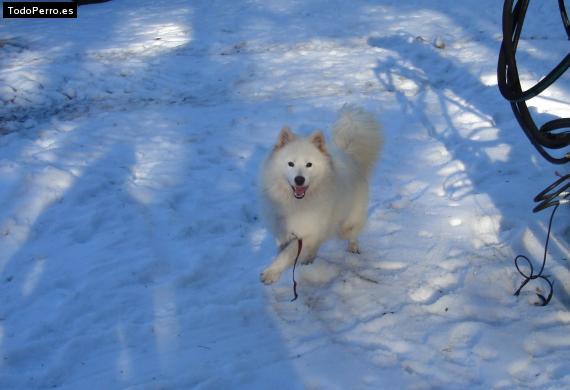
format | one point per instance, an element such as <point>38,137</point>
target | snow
<point>130,242</point>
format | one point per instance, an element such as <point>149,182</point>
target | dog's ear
<point>318,139</point>
<point>286,135</point>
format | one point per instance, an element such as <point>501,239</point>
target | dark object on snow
<point>554,135</point>
<point>299,247</point>
<point>548,135</point>
<point>556,194</point>
<point>531,276</point>
<point>85,2</point>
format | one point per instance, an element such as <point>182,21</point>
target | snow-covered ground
<point>130,243</point>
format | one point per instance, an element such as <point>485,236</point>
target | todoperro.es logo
<point>39,9</point>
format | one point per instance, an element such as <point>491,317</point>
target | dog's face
<point>302,162</point>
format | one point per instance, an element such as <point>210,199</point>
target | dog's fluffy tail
<point>359,135</point>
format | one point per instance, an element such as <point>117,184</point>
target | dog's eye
<point>309,165</point>
<point>291,164</point>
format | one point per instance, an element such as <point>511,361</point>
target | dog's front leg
<point>284,260</point>
<point>309,253</point>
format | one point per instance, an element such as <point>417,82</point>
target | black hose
<point>548,136</point>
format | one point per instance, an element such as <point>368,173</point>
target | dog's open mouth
<point>299,191</point>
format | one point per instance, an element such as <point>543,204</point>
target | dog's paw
<point>353,248</point>
<point>269,276</point>
<point>309,259</point>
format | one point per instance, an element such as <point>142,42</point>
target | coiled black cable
<point>548,135</point>
<point>556,194</point>
<point>531,276</point>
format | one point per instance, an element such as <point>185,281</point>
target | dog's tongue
<point>299,191</point>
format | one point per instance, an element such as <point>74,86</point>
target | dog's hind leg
<point>350,233</point>
<point>353,246</point>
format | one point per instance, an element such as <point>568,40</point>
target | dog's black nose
<point>299,180</point>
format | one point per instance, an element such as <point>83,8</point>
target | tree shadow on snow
<point>179,302</point>
<point>453,85</point>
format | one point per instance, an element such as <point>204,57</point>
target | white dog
<point>313,191</point>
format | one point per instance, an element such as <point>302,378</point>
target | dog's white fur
<point>335,192</point>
